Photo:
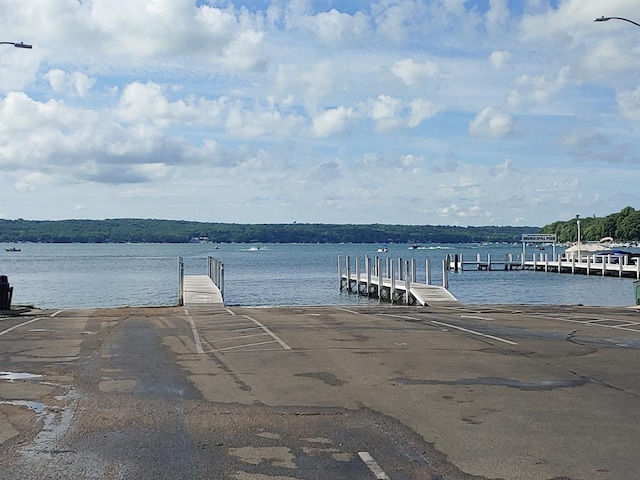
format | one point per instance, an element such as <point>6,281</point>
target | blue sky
<point>486,112</point>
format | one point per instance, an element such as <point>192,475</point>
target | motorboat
<point>589,248</point>
<point>12,249</point>
<point>383,248</point>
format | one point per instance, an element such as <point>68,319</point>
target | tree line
<point>180,231</point>
<point>621,226</point>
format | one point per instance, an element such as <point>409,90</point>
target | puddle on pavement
<point>35,406</point>
<point>11,376</point>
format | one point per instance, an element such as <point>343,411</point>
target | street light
<point>17,45</point>
<point>606,19</point>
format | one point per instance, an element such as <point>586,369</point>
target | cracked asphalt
<point>375,392</point>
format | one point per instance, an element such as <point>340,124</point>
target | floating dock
<point>383,281</point>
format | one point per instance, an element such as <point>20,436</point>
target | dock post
<point>348,266</point>
<point>620,268</point>
<point>358,275</point>
<point>400,269</point>
<point>637,268</point>
<point>445,276</point>
<point>407,283</point>
<point>488,261</point>
<point>221,285</point>
<point>392,276</point>
<point>461,263</point>
<point>427,270</point>
<point>380,280</point>
<point>546,262</point>
<point>573,264</point>
<point>535,265</point>
<point>180,281</point>
<point>387,262</point>
<point>414,275</point>
<point>367,266</point>
<point>588,264</point>
<point>340,271</point>
<point>605,262</point>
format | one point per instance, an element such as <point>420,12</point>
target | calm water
<point>107,275</point>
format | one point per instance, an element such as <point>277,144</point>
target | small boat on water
<point>12,249</point>
<point>383,248</point>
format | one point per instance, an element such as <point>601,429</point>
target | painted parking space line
<point>273,335</point>
<point>245,345</point>
<point>475,317</point>
<point>241,336</point>
<point>455,327</point>
<point>373,466</point>
<point>4,332</point>
<point>493,337</point>
<point>587,323</point>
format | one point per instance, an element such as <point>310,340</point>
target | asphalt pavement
<point>375,392</point>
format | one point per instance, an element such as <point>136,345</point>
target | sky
<point>443,112</point>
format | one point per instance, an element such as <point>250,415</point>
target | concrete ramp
<point>432,295</point>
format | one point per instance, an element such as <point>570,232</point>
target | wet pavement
<point>465,392</point>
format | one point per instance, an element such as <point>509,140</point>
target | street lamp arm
<point>17,45</point>
<point>604,19</point>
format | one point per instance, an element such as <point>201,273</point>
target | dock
<point>202,289</point>
<point>600,264</point>
<point>386,283</point>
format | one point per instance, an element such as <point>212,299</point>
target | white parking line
<point>348,311</point>
<point>273,335</point>
<point>241,336</point>
<point>242,346</point>
<point>28,322</point>
<point>458,328</point>
<point>478,318</point>
<point>373,466</point>
<point>474,332</point>
<point>20,325</point>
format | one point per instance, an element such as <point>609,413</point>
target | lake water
<point>109,275</point>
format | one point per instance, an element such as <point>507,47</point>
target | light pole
<point>578,221</point>
<point>17,45</point>
<point>606,19</point>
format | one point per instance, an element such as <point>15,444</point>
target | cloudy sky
<point>447,112</point>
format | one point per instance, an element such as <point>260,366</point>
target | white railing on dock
<point>215,271</point>
<point>396,282</point>
<point>600,264</point>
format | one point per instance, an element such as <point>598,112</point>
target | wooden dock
<point>384,282</point>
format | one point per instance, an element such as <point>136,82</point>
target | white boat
<point>589,248</point>
<point>383,248</point>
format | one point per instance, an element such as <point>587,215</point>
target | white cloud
<point>629,103</point>
<point>62,82</point>
<point>331,122</point>
<point>538,89</point>
<point>162,100</point>
<point>411,72</point>
<point>499,59</point>
<point>490,122</point>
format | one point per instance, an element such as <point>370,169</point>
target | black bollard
<point>6,292</point>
